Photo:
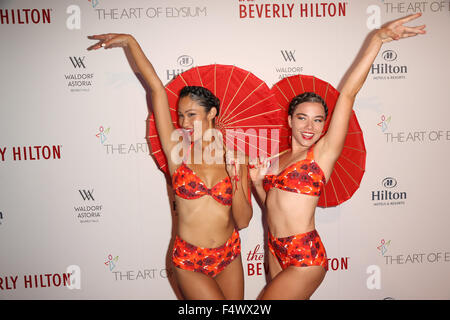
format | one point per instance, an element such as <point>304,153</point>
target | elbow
<point>244,222</point>
<point>349,94</point>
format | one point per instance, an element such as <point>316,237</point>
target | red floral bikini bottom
<point>301,250</point>
<point>209,261</point>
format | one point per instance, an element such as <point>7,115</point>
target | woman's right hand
<point>258,168</point>
<point>110,40</point>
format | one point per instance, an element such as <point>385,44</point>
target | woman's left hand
<point>395,30</point>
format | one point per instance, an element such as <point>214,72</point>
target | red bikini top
<point>304,176</point>
<point>188,185</point>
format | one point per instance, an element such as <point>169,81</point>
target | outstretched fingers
<point>413,31</point>
<point>104,40</point>
<point>397,30</point>
<point>409,18</point>
<point>99,44</point>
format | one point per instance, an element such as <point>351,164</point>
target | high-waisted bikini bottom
<point>209,261</point>
<point>301,250</point>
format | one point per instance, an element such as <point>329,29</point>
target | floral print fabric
<point>304,176</point>
<point>188,185</point>
<point>301,250</point>
<point>209,261</point>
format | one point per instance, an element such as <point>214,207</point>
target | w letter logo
<point>77,62</point>
<point>87,194</point>
<point>288,55</point>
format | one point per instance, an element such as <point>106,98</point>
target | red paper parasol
<point>350,166</point>
<point>246,104</point>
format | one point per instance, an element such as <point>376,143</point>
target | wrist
<point>130,40</point>
<point>381,37</point>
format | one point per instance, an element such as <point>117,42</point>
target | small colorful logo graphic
<point>384,122</point>
<point>94,3</point>
<point>102,134</point>
<point>111,263</point>
<point>383,246</point>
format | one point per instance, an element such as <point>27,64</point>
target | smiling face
<point>190,111</point>
<point>307,122</point>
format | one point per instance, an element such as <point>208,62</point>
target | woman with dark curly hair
<point>298,261</point>
<point>212,200</point>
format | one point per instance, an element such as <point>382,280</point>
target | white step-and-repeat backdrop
<point>86,214</point>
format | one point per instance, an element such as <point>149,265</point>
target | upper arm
<point>163,120</point>
<point>331,144</point>
<point>158,96</point>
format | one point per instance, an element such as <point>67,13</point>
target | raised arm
<point>158,93</point>
<point>332,143</point>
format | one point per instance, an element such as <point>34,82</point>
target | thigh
<point>198,286</point>
<point>274,265</point>
<point>274,270</point>
<point>294,283</point>
<point>231,280</point>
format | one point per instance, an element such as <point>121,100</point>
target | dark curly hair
<point>202,96</point>
<point>307,97</point>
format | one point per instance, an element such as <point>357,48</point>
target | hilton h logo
<point>389,55</point>
<point>389,182</point>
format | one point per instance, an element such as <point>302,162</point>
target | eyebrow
<point>304,114</point>
<point>187,111</point>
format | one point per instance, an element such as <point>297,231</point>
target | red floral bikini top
<point>304,176</point>
<point>188,185</point>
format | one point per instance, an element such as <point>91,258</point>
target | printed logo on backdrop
<point>255,262</point>
<point>290,66</point>
<point>148,13</point>
<point>384,124</point>
<point>26,16</point>
<point>1,218</point>
<point>78,80</point>
<point>184,62</point>
<point>111,262</point>
<point>103,134</point>
<point>112,148</point>
<point>256,266</point>
<point>288,9</point>
<point>396,257</point>
<point>71,279</point>
<point>88,211</point>
<point>409,7</point>
<point>423,136</point>
<point>119,274</point>
<point>403,8</point>
<point>388,67</point>
<point>94,3</point>
<point>383,247</point>
<point>30,153</point>
<point>388,195</point>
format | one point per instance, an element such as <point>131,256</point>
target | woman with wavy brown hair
<point>298,260</point>
<point>212,200</point>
